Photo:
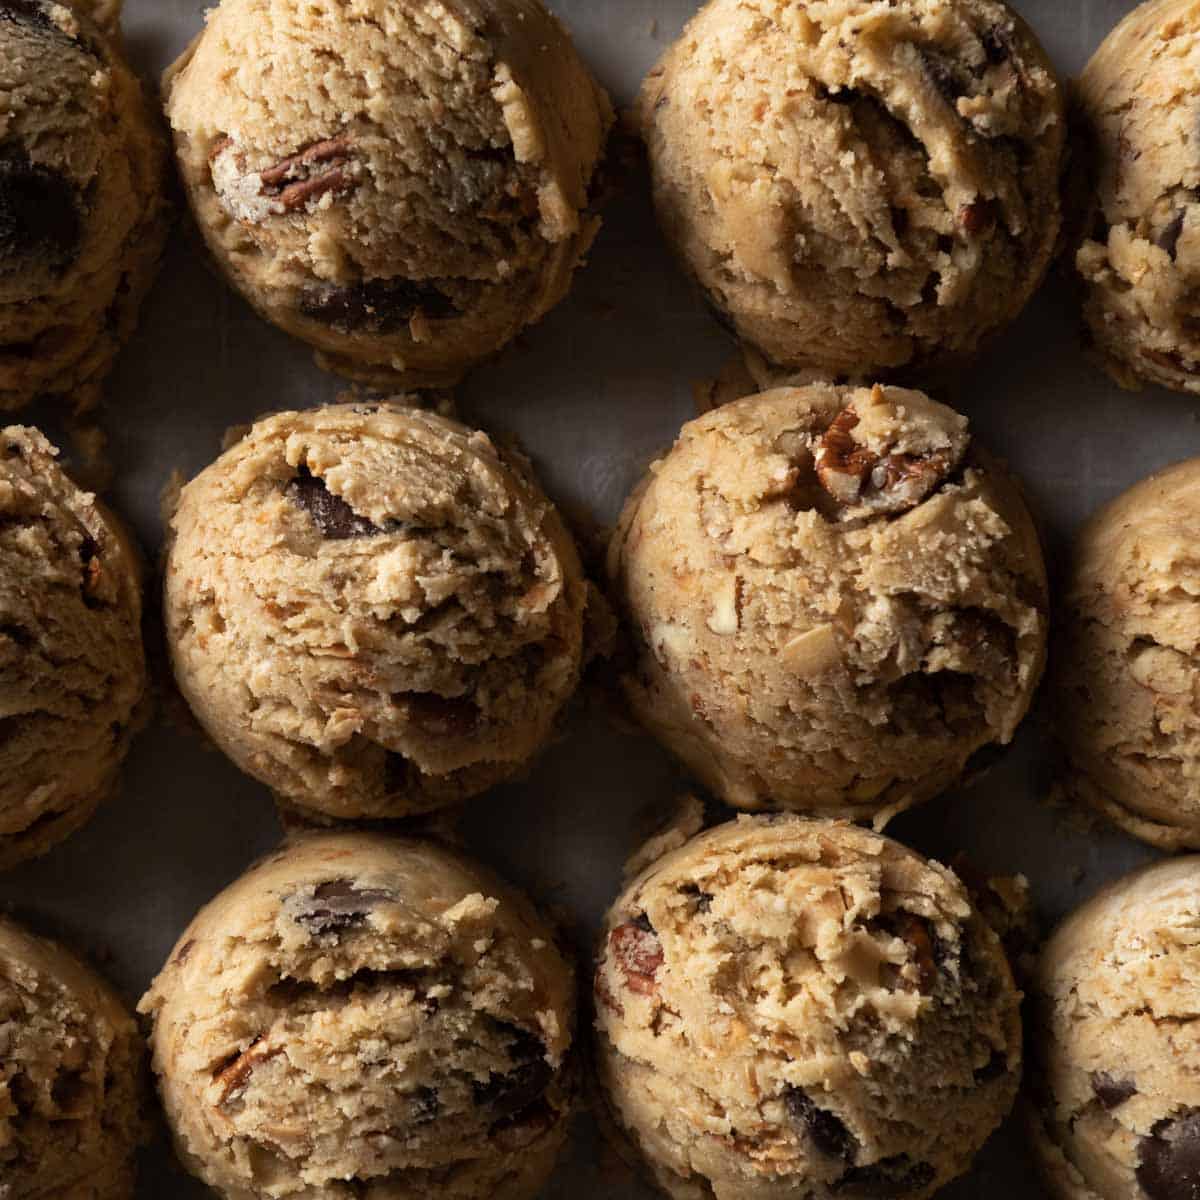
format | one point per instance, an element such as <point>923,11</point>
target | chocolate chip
<point>827,1132</point>
<point>997,45</point>
<point>895,1176</point>
<point>425,1108</point>
<point>39,214</point>
<point>1111,1091</point>
<point>331,514</point>
<point>642,922</point>
<point>445,716</point>
<point>1168,240</point>
<point>996,1067</point>
<point>944,76</point>
<point>703,900</point>
<point>508,1092</point>
<point>338,905</point>
<point>377,305</point>
<point>1169,1159</point>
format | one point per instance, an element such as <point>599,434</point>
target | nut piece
<point>891,454</point>
<point>638,953</point>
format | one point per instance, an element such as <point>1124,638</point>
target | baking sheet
<point>592,393</point>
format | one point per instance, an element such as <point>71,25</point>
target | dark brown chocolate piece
<point>1111,1090</point>
<point>446,716</point>
<point>339,905</point>
<point>378,306</point>
<point>331,514</point>
<point>39,213</point>
<point>826,1131</point>
<point>507,1093</point>
<point>896,1176</point>
<point>1169,1159</point>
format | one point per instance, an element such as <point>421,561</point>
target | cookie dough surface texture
<point>71,1077</point>
<point>1127,711</point>
<point>858,186</point>
<point>801,1008</point>
<point>404,186</point>
<point>72,668</point>
<point>82,211</point>
<point>367,1018</point>
<point>373,610</point>
<point>1140,254</point>
<point>1115,1101</point>
<point>835,600</point>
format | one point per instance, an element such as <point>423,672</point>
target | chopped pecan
<point>977,217</point>
<point>638,953</point>
<point>234,1074</point>
<point>317,169</point>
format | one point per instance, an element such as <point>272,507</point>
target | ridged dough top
<point>365,1017</point>
<point>835,600</point>
<point>801,1008</point>
<point>372,609</point>
<point>858,185</point>
<point>72,668</point>
<point>71,1076</point>
<point>403,185</point>
<point>1115,1041</point>
<point>1140,254</point>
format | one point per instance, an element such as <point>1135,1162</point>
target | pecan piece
<point>916,933</point>
<point>638,954</point>
<point>978,217</point>
<point>234,1074</point>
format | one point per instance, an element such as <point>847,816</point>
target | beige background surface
<point>593,392</point>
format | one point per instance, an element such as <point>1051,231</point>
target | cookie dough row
<point>862,190</point>
<point>780,1006</point>
<point>833,602</point>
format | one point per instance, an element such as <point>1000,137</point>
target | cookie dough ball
<point>801,1008</point>
<point>1115,1109</point>
<point>370,1018</point>
<point>403,186</point>
<point>82,214</point>
<point>835,600</point>
<point>72,668</point>
<point>1127,711</point>
<point>71,1076</point>
<point>1140,254</point>
<point>859,186</point>
<point>373,610</point>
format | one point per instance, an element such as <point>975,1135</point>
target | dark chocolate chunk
<point>1169,1159</point>
<point>426,1106</point>
<point>997,45</point>
<point>943,75</point>
<point>1168,240</point>
<point>703,900</point>
<point>447,716</point>
<point>39,213</point>
<point>1112,1091</point>
<point>642,922</point>
<point>331,514</point>
<point>827,1132</point>
<point>377,305</point>
<point>338,905</point>
<point>895,1176</point>
<point>508,1092</point>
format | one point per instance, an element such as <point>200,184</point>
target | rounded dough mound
<point>801,1008</point>
<point>1115,1102</point>
<point>404,186</point>
<point>72,667</point>
<point>373,610</point>
<point>71,1076</point>
<point>82,209</point>
<point>1127,711</point>
<point>369,1018</point>
<point>858,186</point>
<point>835,600</point>
<point>1140,254</point>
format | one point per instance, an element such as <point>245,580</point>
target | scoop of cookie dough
<point>82,214</point>
<point>72,669</point>
<point>360,1016</point>
<point>403,186</point>
<point>835,600</point>
<point>1126,710</point>
<point>1139,257</point>
<point>1115,1102</point>
<point>373,610</point>
<point>71,1076</point>
<point>788,1007</point>
<point>858,186</point>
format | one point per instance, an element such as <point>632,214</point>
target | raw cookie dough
<point>372,609</point>
<point>1126,708</point>
<point>835,599</point>
<point>788,1007</point>
<point>1140,254</point>
<point>404,186</point>
<point>71,1077</point>
<point>72,668</point>
<point>858,186</point>
<point>369,1018</point>
<point>1115,1102</point>
<point>82,209</point>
